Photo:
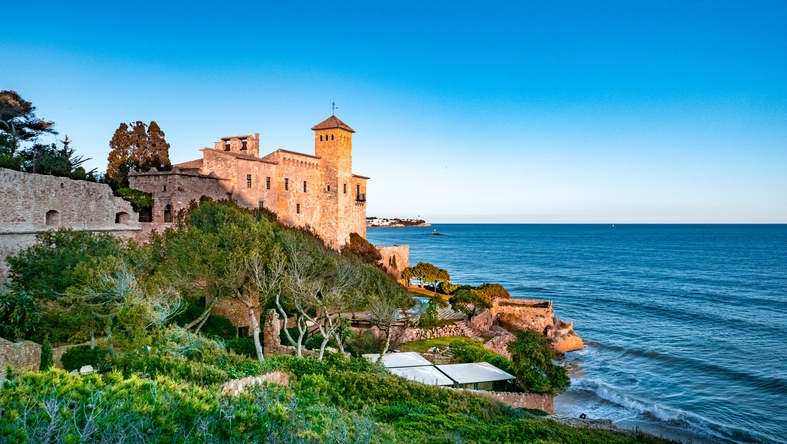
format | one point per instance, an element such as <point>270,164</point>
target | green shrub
<point>47,360</point>
<point>533,366</point>
<point>242,346</point>
<point>138,199</point>
<point>76,357</point>
<point>429,318</point>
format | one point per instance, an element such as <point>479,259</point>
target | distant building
<point>316,191</point>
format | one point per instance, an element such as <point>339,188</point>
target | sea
<point>685,326</point>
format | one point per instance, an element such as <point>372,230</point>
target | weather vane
<point>334,107</point>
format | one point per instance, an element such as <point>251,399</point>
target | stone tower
<point>333,144</point>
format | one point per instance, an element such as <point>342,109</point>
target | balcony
<point>360,197</point>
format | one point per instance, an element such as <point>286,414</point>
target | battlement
<point>247,144</point>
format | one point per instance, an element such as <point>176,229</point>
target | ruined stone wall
<point>527,314</point>
<point>19,355</point>
<point>394,259</point>
<point>35,203</point>
<point>545,403</point>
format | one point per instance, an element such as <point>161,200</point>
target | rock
<point>86,370</point>
<point>566,342</point>
<point>236,386</point>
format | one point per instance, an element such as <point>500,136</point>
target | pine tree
<point>156,151</point>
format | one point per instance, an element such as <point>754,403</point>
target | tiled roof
<point>332,122</point>
<point>191,164</point>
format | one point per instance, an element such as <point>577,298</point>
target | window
<point>168,214</point>
<point>243,144</point>
<point>331,136</point>
<point>165,188</point>
<point>248,181</point>
<point>358,190</point>
<point>121,218</point>
<point>52,218</point>
<point>243,332</point>
<point>267,183</point>
<point>298,208</point>
<point>286,184</point>
<point>329,188</point>
<point>260,204</point>
<point>345,188</point>
<point>320,138</point>
<point>304,186</point>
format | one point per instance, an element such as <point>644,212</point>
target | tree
<point>18,121</point>
<point>136,146</point>
<point>18,314</point>
<point>469,302</point>
<point>493,291</point>
<point>47,360</point>
<point>426,273</point>
<point>56,161</point>
<point>532,364</point>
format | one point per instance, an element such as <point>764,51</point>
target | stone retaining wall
<point>19,355</point>
<point>544,403</point>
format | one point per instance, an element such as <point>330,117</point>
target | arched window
<point>121,218</point>
<point>53,218</point>
<point>168,214</point>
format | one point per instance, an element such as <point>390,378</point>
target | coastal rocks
<point>236,386</point>
<point>564,339</point>
<point>524,314</point>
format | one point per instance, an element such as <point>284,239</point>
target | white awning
<point>474,372</point>
<point>425,375</point>
<point>395,360</point>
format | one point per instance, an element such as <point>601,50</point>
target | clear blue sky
<point>612,112</point>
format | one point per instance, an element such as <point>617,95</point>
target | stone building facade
<point>34,203</point>
<point>317,191</point>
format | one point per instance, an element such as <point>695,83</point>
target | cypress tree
<point>47,361</point>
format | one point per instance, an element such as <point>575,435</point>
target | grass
<point>426,344</point>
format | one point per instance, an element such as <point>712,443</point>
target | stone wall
<point>545,403</point>
<point>19,355</point>
<point>420,334</point>
<point>34,203</point>
<point>395,259</point>
<point>536,315</point>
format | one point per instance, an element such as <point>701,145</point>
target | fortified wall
<point>395,259</point>
<point>36,203</point>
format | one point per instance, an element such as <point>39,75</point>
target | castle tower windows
<point>267,183</point>
<point>320,138</point>
<point>260,204</point>
<point>248,181</point>
<point>304,186</point>
<point>328,188</point>
<point>286,184</point>
<point>298,208</point>
<point>331,136</point>
<point>345,188</point>
<point>168,214</point>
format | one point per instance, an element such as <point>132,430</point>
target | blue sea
<point>685,326</point>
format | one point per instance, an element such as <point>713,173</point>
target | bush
<point>138,199</point>
<point>493,291</point>
<point>76,357</point>
<point>360,247</point>
<point>533,366</point>
<point>364,342</point>
<point>242,346</point>
<point>47,360</point>
<point>429,318</point>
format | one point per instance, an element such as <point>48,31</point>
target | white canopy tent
<point>425,375</point>
<point>475,372</point>
<point>396,360</point>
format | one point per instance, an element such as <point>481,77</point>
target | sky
<point>477,112</point>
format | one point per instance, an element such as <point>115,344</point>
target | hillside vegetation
<point>145,311</point>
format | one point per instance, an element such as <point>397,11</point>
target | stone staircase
<point>467,330</point>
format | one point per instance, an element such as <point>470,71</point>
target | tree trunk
<point>92,340</point>
<point>387,343</point>
<point>255,324</point>
<point>322,346</point>
<point>204,316</point>
<point>302,329</point>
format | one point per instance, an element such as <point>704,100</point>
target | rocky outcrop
<point>526,314</point>
<point>236,386</point>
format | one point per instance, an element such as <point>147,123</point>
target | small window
<point>304,186</point>
<point>227,146</point>
<point>260,204</point>
<point>320,138</point>
<point>358,190</point>
<point>331,136</point>
<point>168,214</point>
<point>298,208</point>
<point>286,184</point>
<point>345,188</point>
<point>121,218</point>
<point>267,183</point>
<point>248,181</point>
<point>328,188</point>
<point>53,218</point>
<point>243,146</point>
<point>165,188</point>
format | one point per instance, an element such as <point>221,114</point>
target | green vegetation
<point>47,360</point>
<point>138,199</point>
<point>427,344</point>
<point>426,273</point>
<point>469,302</point>
<point>171,394</point>
<point>162,356</point>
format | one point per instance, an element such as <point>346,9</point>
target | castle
<point>317,191</point>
